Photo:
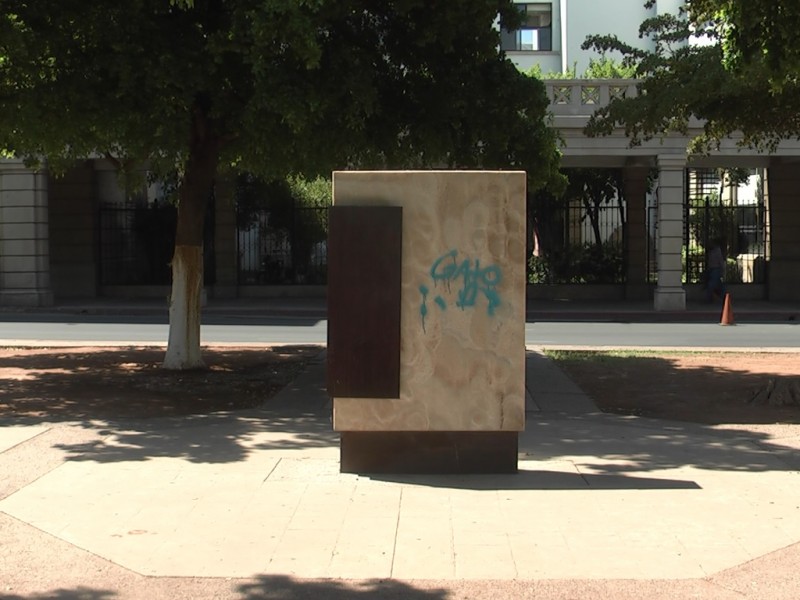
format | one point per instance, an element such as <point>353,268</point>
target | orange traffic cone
<point>727,312</point>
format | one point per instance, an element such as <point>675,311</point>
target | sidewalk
<point>252,505</point>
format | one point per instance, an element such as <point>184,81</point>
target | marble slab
<point>463,300</point>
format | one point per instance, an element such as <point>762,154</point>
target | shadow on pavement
<point>78,593</point>
<point>617,449</point>
<point>279,587</point>
<point>616,445</point>
<point>539,480</point>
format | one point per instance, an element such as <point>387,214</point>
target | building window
<point>536,32</point>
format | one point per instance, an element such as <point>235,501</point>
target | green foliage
<point>761,33</point>
<point>600,259</point>
<point>314,193</point>
<point>294,207</point>
<point>536,72</point>
<point>606,67</point>
<point>275,88</point>
<point>585,263</point>
<point>609,356</point>
<point>744,79</point>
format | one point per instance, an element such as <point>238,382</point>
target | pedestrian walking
<point>715,263</point>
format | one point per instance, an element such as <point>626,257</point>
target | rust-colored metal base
<point>427,452</point>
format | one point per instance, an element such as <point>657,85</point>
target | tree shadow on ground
<point>78,593</point>
<point>710,387</point>
<point>278,587</point>
<point>606,445</point>
<point>220,439</point>
<point>298,418</point>
<point>670,411</point>
<point>75,384</point>
<point>248,400</point>
<point>262,587</point>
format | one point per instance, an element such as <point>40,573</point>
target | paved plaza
<point>259,494</point>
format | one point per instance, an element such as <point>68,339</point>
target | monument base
<point>429,452</point>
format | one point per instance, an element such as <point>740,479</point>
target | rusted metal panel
<point>429,452</point>
<point>364,261</point>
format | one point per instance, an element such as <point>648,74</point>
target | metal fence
<point>291,253</point>
<point>580,244</point>
<point>707,217</point>
<point>136,243</point>
<point>711,213</point>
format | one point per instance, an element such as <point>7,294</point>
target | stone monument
<point>426,309</point>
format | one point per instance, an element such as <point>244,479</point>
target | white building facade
<point>556,29</point>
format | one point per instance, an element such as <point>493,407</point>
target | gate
<point>735,215</point>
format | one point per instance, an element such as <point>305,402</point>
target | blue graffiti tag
<point>475,281</point>
<point>423,309</point>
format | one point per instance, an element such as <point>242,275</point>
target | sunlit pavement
<point>260,493</point>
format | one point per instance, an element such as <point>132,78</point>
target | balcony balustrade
<point>581,97</point>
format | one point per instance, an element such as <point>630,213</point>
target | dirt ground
<point>108,383</point>
<point>708,387</point>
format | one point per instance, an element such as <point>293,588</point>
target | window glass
<point>535,34</point>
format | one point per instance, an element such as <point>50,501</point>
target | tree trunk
<point>183,348</point>
<point>593,211</point>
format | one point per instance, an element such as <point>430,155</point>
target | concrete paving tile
<point>762,540</point>
<point>410,511</point>
<point>212,558</point>
<point>303,542</point>
<point>374,501</point>
<point>316,568</point>
<point>12,435</point>
<point>361,561</point>
<point>479,561</point>
<point>318,521</point>
<point>279,496</point>
<point>260,535</point>
<point>713,553</point>
<point>482,537</point>
<point>307,553</point>
<point>155,519</point>
<point>359,530</point>
<point>308,469</point>
<point>423,561</point>
<point>551,560</point>
<point>325,497</point>
<point>596,497</point>
<point>645,563</point>
<point>482,517</point>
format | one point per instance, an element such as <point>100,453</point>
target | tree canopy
<point>281,86</point>
<point>733,64</point>
<point>270,87</point>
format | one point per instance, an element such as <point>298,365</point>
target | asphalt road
<point>303,330</point>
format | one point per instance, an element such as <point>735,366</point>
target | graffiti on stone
<point>466,279</point>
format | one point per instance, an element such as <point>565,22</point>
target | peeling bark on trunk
<point>183,348</point>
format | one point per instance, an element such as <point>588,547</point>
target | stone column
<point>784,223</point>
<point>635,192</point>
<point>24,236</point>
<point>669,294</point>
